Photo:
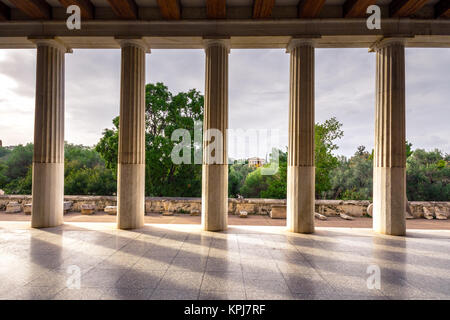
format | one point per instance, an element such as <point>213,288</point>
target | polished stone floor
<point>95,261</point>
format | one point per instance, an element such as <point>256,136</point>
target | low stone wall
<point>252,206</point>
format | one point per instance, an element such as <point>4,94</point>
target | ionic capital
<point>51,42</point>
<point>134,42</point>
<point>217,42</point>
<point>301,42</point>
<point>386,42</point>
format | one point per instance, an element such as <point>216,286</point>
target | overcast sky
<point>259,92</point>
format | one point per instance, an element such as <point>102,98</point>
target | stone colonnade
<point>389,160</point>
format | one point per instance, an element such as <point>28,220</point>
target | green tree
<point>15,170</point>
<point>3,178</point>
<point>164,113</point>
<point>4,152</point>
<point>255,183</point>
<point>237,173</point>
<point>85,172</point>
<point>258,185</point>
<point>108,146</point>
<point>277,185</point>
<point>326,135</point>
<point>352,179</point>
<point>428,176</point>
<point>81,156</point>
<point>19,161</point>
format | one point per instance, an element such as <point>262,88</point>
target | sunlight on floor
<point>245,262</point>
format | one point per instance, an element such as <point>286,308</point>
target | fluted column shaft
<point>389,177</point>
<point>301,169</point>
<point>48,157</point>
<point>131,161</point>
<point>215,162</point>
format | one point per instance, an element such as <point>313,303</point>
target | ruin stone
<point>195,212</point>
<point>13,207</point>
<point>111,210</point>
<point>346,216</point>
<point>428,213</point>
<point>440,213</point>
<point>278,212</point>
<point>320,216</point>
<point>27,208</point>
<point>87,209</point>
<point>370,210</point>
<point>408,213</point>
<point>67,206</point>
<point>243,214</point>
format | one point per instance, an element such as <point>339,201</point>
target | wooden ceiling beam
<point>170,9</point>
<point>5,12</point>
<point>262,8</point>
<point>405,8</point>
<point>442,9</point>
<point>357,8</point>
<point>124,9</point>
<point>35,9</point>
<point>216,9</point>
<point>86,7</point>
<point>310,8</point>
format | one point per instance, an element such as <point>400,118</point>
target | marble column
<point>389,172</point>
<point>131,160</point>
<point>48,157</point>
<point>301,169</point>
<point>215,157</point>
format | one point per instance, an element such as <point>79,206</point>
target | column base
<point>130,196</point>
<point>300,199</point>
<point>215,197</point>
<point>48,195</point>
<point>389,199</point>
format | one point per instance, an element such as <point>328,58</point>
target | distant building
<point>256,162</point>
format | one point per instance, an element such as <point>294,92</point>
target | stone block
<point>428,213</point>
<point>27,208</point>
<point>328,210</point>
<point>87,209</point>
<point>408,213</point>
<point>111,210</point>
<point>320,216</point>
<point>440,213</point>
<point>354,210</point>
<point>278,212</point>
<point>370,210</point>
<point>243,214</point>
<point>346,216</point>
<point>416,210</point>
<point>195,212</point>
<point>67,206</point>
<point>231,207</point>
<point>249,207</point>
<point>13,207</point>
